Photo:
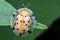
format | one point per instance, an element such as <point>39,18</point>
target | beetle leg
<point>34,18</point>
<point>29,31</point>
<point>20,34</point>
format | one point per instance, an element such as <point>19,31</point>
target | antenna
<point>26,6</point>
<point>23,5</point>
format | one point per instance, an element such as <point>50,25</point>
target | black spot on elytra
<point>28,21</point>
<point>23,21</point>
<point>25,16</point>
<point>17,22</point>
<point>17,29</point>
<point>24,30</point>
<point>31,17</point>
<point>20,21</point>
<point>21,15</point>
<point>14,24</point>
<point>16,18</point>
<point>26,25</point>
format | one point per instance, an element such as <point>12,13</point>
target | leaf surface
<point>6,11</point>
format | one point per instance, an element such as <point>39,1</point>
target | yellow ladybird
<point>22,21</point>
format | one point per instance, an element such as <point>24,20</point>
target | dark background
<point>53,33</point>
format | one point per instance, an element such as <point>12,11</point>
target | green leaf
<point>2,0</point>
<point>6,11</point>
<point>46,12</point>
<point>40,26</point>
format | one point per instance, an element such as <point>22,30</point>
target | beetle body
<point>23,21</point>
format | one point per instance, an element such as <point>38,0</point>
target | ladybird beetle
<point>22,21</point>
